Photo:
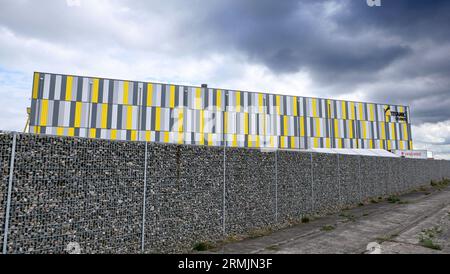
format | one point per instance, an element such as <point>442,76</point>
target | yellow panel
<point>282,142</point>
<point>272,143</point>
<point>180,120</point>
<point>278,104</point>
<point>36,85</point>
<point>400,109</point>
<point>336,128</point>
<point>292,142</point>
<point>372,112</point>
<point>202,118</point>
<point>257,143</point>
<point>44,112</point>
<point>95,91</point>
<point>389,144</point>
<point>202,139</point>
<point>158,119</point>
<point>104,115</point>
<point>92,133</point>
<point>295,107</point>
<point>149,94</point>
<point>316,143</point>
<point>198,98</point>
<point>383,130</point>
<point>133,135</point>
<point>364,129</point>
<point>411,145</point>
<point>314,107</point>
<point>329,108</point>
<point>219,99</point>
<point>71,131</point>
<point>381,144</point>
<point>328,142</point>
<point>250,141</point>
<point>113,134</point>
<point>246,123</point>
<point>37,129</point>
<point>302,126</point>
<point>401,145</point>
<point>260,102</point>
<point>405,132</point>
<point>234,144</point>
<point>371,144</point>
<point>172,96</point>
<point>318,129</point>
<point>352,111</point>
<point>238,101</point>
<point>180,137</point>
<point>166,137</point>
<point>339,142</point>
<point>148,136</point>
<point>129,117</point>
<point>60,131</point>
<point>285,124</point>
<point>344,110</point>
<point>125,92</point>
<point>225,122</point>
<point>69,88</point>
<point>78,107</point>
<point>210,139</point>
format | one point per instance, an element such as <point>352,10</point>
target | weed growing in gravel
<point>427,235</point>
<point>328,228</point>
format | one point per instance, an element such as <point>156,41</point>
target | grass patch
<point>273,247</point>
<point>305,220</point>
<point>428,243</point>
<point>393,199</point>
<point>328,228</point>
<point>440,184</point>
<point>203,246</point>
<point>427,236</point>
<point>373,201</point>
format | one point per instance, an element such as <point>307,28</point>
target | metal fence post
<point>276,186</point>
<point>339,180</point>
<point>144,201</point>
<point>224,187</point>
<point>312,183</point>
<point>8,199</point>
<point>359,179</point>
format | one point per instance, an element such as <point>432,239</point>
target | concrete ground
<point>418,223</point>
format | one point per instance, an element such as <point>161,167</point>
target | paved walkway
<point>395,227</point>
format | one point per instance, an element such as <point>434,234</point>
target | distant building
<point>132,110</point>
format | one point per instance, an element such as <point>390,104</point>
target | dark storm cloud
<point>347,46</point>
<point>288,36</point>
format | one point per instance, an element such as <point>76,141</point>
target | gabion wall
<point>136,197</point>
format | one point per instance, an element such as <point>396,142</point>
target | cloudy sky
<point>343,49</point>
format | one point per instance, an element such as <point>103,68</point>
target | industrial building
<point>68,105</point>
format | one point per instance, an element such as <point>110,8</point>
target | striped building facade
<point>128,110</point>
